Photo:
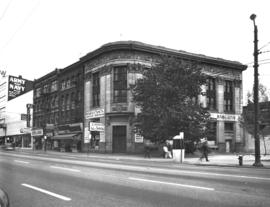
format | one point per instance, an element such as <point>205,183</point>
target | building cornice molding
<point>158,50</point>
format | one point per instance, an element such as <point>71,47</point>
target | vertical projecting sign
<point>18,86</point>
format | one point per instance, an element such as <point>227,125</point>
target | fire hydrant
<point>240,158</point>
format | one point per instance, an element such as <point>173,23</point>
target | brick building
<point>109,110</point>
<point>58,109</point>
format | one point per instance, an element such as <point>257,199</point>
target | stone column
<point>107,107</point>
<point>220,96</point>
<point>238,110</point>
<point>202,98</point>
<point>220,109</point>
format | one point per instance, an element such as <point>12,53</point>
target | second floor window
<point>120,84</point>
<point>54,86</point>
<point>63,84</point>
<point>95,90</point>
<point>211,93</point>
<point>228,96</point>
<point>38,92</point>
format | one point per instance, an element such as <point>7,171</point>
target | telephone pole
<point>257,162</point>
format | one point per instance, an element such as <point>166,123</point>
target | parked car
<point>8,146</point>
<point>4,200</point>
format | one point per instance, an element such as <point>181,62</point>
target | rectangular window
<point>228,96</point>
<point>67,102</point>
<point>72,101</point>
<point>54,86</point>
<point>63,102</point>
<point>211,94</point>
<point>212,131</point>
<point>120,84</point>
<point>63,84</point>
<point>95,90</point>
<point>68,83</point>
<point>38,92</point>
<point>228,126</point>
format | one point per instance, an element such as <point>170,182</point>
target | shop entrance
<point>119,139</point>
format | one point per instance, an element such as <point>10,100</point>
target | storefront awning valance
<point>66,136</point>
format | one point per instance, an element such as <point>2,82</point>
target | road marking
<point>20,161</point>
<point>224,175</point>
<point>47,192</point>
<point>174,184</point>
<point>64,168</point>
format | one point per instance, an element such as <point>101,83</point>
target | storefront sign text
<point>94,114</point>
<point>37,132</point>
<point>95,126</point>
<point>224,117</point>
<point>138,138</point>
<point>18,86</point>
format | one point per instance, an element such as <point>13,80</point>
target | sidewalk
<point>215,159</point>
<point>229,160</point>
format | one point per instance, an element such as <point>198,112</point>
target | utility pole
<point>257,162</point>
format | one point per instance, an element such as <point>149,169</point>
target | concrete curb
<point>230,162</point>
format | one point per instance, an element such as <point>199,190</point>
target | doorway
<point>119,139</point>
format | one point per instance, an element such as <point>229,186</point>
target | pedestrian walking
<point>204,150</point>
<point>147,149</point>
<point>167,153</point>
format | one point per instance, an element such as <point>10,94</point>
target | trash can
<point>178,148</point>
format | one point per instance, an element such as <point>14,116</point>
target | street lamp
<point>257,162</point>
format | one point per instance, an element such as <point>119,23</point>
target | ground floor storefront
<point>17,140</point>
<point>63,138</point>
<point>116,134</point>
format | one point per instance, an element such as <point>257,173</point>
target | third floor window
<point>120,84</point>
<point>228,96</point>
<point>211,93</point>
<point>96,90</point>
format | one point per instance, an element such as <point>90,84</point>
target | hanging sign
<point>95,126</point>
<point>94,114</point>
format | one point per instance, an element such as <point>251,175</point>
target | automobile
<point>4,200</point>
<point>8,146</point>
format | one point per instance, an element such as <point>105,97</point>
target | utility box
<point>179,148</point>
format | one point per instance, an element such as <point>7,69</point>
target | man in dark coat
<point>205,151</point>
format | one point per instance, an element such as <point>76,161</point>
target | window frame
<point>120,84</point>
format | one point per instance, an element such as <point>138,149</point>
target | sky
<point>37,36</point>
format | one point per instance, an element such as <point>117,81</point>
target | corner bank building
<point>109,111</point>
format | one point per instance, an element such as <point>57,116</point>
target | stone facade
<point>115,118</point>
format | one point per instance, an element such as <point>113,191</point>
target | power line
<point>259,61</point>
<point>22,25</point>
<point>5,10</point>
<point>264,45</point>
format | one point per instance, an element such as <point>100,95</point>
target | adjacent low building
<point>109,111</point>
<point>16,99</point>
<point>264,128</point>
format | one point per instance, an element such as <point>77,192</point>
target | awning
<point>66,136</point>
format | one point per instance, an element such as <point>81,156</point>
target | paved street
<point>47,179</point>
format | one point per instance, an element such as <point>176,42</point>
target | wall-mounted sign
<point>87,135</point>
<point>95,126</point>
<point>25,130</point>
<point>119,108</point>
<point>36,132</point>
<point>138,138</point>
<point>102,137</point>
<point>224,117</point>
<point>94,114</point>
<point>18,86</point>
